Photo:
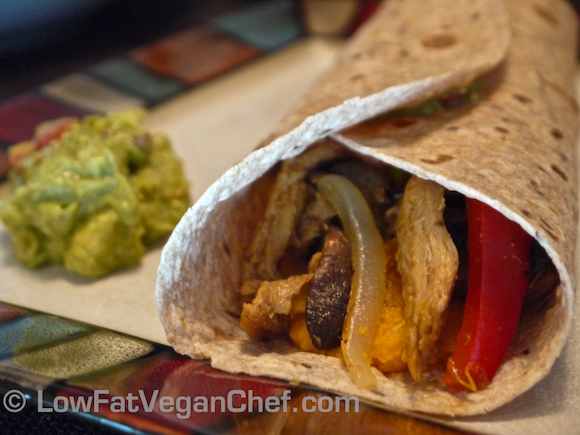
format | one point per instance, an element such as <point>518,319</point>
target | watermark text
<point>236,401</point>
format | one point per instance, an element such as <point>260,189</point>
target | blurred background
<point>41,40</point>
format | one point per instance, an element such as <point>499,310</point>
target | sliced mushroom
<point>327,303</point>
<point>286,202</point>
<point>372,181</point>
<point>544,278</point>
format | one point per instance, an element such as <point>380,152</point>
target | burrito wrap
<point>514,150</point>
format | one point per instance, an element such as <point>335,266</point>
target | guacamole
<point>93,193</point>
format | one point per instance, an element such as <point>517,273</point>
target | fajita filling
<point>362,261</point>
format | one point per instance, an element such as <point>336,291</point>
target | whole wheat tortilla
<point>513,150</point>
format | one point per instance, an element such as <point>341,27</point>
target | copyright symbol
<point>14,401</point>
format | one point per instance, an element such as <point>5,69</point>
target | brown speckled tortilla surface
<point>514,150</point>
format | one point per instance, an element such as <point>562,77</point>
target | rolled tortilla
<point>514,150</point>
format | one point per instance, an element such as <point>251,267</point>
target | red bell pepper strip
<point>45,133</point>
<point>499,261</point>
<point>53,130</point>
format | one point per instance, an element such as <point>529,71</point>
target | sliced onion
<point>368,291</point>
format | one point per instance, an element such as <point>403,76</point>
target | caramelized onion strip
<point>368,283</point>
